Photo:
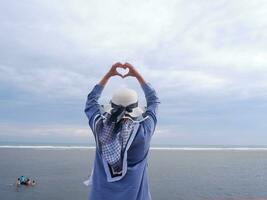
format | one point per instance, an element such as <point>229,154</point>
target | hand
<point>132,71</point>
<point>113,70</point>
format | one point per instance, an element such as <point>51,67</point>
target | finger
<point>126,75</point>
<point>119,75</point>
<point>116,64</point>
<point>124,67</point>
<point>119,64</point>
<point>128,64</point>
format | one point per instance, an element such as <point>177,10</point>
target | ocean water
<point>176,173</point>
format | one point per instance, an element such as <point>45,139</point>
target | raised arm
<point>92,107</point>
<point>150,95</point>
<point>152,105</point>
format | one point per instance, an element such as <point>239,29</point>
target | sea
<point>175,173</point>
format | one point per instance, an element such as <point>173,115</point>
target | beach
<point>183,174</point>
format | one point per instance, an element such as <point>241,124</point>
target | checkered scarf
<point>113,142</point>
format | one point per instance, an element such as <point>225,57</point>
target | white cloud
<point>206,49</point>
<point>46,82</point>
<point>57,132</point>
<point>47,131</point>
<point>189,79</point>
<point>214,38</point>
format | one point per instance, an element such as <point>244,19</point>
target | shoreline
<point>47,147</point>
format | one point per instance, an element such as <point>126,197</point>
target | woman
<point>122,132</point>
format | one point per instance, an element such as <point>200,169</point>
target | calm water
<point>174,174</point>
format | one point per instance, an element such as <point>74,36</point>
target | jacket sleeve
<point>152,107</point>
<point>92,107</point>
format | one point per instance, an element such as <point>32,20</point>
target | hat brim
<point>136,112</point>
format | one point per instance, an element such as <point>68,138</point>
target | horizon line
<point>47,147</point>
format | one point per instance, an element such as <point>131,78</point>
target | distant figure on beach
<point>122,132</point>
<point>23,180</point>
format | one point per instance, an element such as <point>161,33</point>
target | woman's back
<point>132,182</point>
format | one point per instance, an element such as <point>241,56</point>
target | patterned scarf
<point>113,142</point>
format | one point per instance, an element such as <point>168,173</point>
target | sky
<point>206,59</point>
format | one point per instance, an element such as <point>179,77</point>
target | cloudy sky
<point>207,60</point>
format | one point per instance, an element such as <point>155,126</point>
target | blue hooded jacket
<point>133,184</point>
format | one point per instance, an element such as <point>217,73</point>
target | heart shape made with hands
<point>122,71</point>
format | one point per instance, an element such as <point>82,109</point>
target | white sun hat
<point>125,97</point>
